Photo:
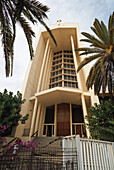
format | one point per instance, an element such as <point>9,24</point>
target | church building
<point>57,99</point>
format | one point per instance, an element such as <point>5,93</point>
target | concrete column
<point>45,70</point>
<point>40,124</point>
<point>84,108</point>
<point>76,63</point>
<point>43,119</point>
<point>43,64</point>
<point>37,118</point>
<point>70,118</point>
<point>33,118</point>
<point>48,71</point>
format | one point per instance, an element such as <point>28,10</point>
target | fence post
<point>113,148</point>
<point>31,161</point>
<point>78,152</point>
<point>63,144</point>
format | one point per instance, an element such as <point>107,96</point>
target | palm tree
<point>101,75</point>
<point>21,11</point>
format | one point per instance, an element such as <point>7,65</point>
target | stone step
<point>50,141</point>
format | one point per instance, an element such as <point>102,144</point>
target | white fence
<point>91,154</point>
<point>69,153</point>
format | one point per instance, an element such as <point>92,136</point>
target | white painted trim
<point>26,79</point>
<point>43,120</point>
<point>59,89</point>
<point>78,152</point>
<point>49,70</point>
<point>37,118</point>
<point>41,117</point>
<point>45,70</point>
<point>33,118</point>
<point>76,63</point>
<point>43,64</point>
<point>84,108</point>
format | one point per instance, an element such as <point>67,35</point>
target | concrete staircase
<point>48,142</point>
<point>47,155</point>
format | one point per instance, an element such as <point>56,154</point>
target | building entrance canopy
<point>59,95</point>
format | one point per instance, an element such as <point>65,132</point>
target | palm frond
<point>110,77</point>
<point>101,75</point>
<point>93,39</point>
<point>19,5</point>
<point>93,50</point>
<point>88,60</point>
<point>49,31</point>
<point>28,33</point>
<point>37,9</point>
<point>97,44</point>
<point>102,64</point>
<point>111,122</point>
<point>107,130</point>
<point>12,11</point>
<point>90,78</point>
<point>82,49</point>
<point>89,50</point>
<point>98,82</point>
<point>104,82</point>
<point>93,73</point>
<point>87,40</point>
<point>99,31</point>
<point>104,28</point>
<point>6,33</point>
<point>29,16</point>
<point>104,72</point>
<point>105,32</point>
<point>111,28</point>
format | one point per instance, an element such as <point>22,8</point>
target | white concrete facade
<point>51,79</point>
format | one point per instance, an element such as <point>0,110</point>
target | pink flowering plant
<point>29,145</point>
<point>10,107</point>
<point>2,139</point>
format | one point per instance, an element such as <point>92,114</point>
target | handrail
<point>34,133</point>
<point>95,140</point>
<point>58,138</point>
<point>9,142</point>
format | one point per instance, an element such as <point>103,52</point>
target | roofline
<point>60,25</point>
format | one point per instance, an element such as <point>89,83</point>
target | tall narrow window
<point>49,121</point>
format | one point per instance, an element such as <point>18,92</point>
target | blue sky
<point>80,11</point>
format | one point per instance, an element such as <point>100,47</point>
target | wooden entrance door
<point>63,119</point>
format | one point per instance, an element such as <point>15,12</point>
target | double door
<point>63,119</point>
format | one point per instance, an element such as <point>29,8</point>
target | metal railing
<point>6,147</point>
<point>91,154</point>
<point>41,158</point>
<point>35,133</point>
<point>79,128</point>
